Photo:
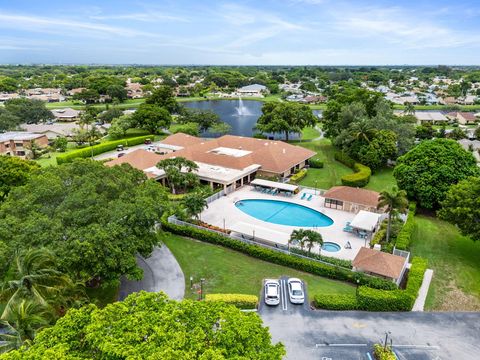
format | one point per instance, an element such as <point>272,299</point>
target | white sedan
<point>295,291</point>
<point>272,292</point>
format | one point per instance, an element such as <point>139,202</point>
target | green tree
<point>22,322</point>
<point>118,128</point>
<point>309,86</point>
<point>89,96</point>
<point>194,203</point>
<point>461,207</point>
<point>457,134</point>
<point>8,84</point>
<point>204,118</point>
<point>190,128</point>
<point>409,109</point>
<point>35,150</point>
<point>477,133</point>
<point>8,121</point>
<point>311,238</point>
<point>93,217</point>
<point>285,117</point>
<point>116,91</point>
<point>427,171</point>
<point>152,118</point>
<point>425,131</point>
<point>220,128</point>
<point>377,152</point>
<point>28,111</point>
<point>164,329</point>
<point>109,115</point>
<point>14,172</point>
<point>393,202</point>
<point>60,144</point>
<point>179,173</point>
<point>164,97</point>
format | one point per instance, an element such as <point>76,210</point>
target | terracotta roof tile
<point>354,195</point>
<point>378,262</point>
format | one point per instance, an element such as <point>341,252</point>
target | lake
<point>241,115</point>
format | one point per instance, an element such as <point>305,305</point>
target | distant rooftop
<point>19,136</point>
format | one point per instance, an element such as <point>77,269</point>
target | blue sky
<point>324,32</point>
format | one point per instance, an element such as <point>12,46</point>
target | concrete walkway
<point>423,291</point>
<point>161,272</point>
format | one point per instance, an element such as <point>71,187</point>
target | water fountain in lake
<point>242,110</point>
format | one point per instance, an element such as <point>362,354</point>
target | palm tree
<point>36,277</point>
<point>22,321</point>
<point>394,201</point>
<point>409,109</point>
<point>297,237</point>
<point>311,238</point>
<point>362,130</point>
<point>194,203</point>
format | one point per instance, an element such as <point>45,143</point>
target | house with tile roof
<point>351,199</point>
<point>228,161</point>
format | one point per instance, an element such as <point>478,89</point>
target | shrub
<point>360,177</point>
<point>100,148</point>
<point>315,162</point>
<point>405,234</point>
<point>298,176</point>
<point>381,353</point>
<point>336,301</point>
<point>335,261</point>
<point>241,301</point>
<point>378,237</point>
<point>277,257</point>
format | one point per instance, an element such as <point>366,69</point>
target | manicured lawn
<point>382,180</point>
<point>332,171</point>
<point>310,133</point>
<point>455,261</point>
<point>228,271</point>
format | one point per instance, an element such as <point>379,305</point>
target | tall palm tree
<point>297,237</point>
<point>36,277</point>
<point>311,238</point>
<point>22,321</point>
<point>409,109</point>
<point>362,131</point>
<point>394,201</point>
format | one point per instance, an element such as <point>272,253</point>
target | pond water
<point>241,115</point>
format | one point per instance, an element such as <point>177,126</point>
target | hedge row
<point>405,234</point>
<point>371,299</point>
<point>100,148</point>
<point>381,353</point>
<point>361,175</point>
<point>279,258</point>
<point>241,301</point>
<point>335,261</point>
<point>315,162</point>
<point>295,178</point>
<point>336,301</point>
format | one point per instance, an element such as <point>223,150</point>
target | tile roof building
<point>351,199</point>
<point>19,143</point>
<point>225,161</point>
<point>380,264</point>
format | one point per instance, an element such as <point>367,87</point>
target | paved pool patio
<point>223,213</point>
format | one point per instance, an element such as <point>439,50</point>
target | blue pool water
<point>283,213</point>
<point>330,247</point>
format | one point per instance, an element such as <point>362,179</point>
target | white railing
<point>317,191</point>
<point>215,196</point>
<point>402,253</point>
<point>276,247</point>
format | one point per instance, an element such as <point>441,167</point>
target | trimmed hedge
<point>315,163</point>
<point>361,175</point>
<point>100,148</point>
<point>295,178</point>
<point>335,261</point>
<point>405,234</point>
<point>277,257</point>
<point>381,354</point>
<point>336,301</point>
<point>241,301</point>
<point>371,299</point>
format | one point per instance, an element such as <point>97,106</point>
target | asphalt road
<point>161,272</point>
<point>335,335</point>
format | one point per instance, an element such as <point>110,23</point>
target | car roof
<point>296,285</point>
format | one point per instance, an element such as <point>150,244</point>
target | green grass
<point>382,180</point>
<point>103,296</point>
<point>455,260</point>
<point>310,133</point>
<point>332,171</point>
<point>228,271</point>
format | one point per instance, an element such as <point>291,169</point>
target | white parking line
<point>283,292</point>
<point>339,345</point>
<point>426,347</point>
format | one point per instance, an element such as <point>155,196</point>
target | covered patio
<point>273,187</point>
<point>363,224</point>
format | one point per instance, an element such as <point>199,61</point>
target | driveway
<point>336,335</point>
<point>161,272</point>
<point>114,153</point>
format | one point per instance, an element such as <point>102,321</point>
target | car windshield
<point>297,292</point>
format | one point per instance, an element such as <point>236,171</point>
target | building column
<point>241,181</point>
<point>211,185</point>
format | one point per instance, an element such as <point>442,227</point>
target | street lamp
<point>358,284</point>
<point>386,340</point>
<point>191,282</point>
<point>201,288</point>
<point>315,187</point>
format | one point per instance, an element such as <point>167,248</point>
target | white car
<point>272,292</point>
<point>295,291</point>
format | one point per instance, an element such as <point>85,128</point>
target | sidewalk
<point>422,293</point>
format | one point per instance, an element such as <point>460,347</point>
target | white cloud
<point>152,16</point>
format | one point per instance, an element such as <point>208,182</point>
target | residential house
<point>467,100</point>
<point>58,129</point>
<point>8,96</point>
<point>449,100</point>
<point>134,90</point>
<point>228,161</point>
<point>351,199</point>
<point>463,118</point>
<point>19,143</point>
<point>433,117</point>
<point>75,91</point>
<point>313,99</point>
<point>473,146</point>
<point>66,114</point>
<point>380,264</point>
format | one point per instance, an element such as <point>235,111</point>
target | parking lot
<point>345,335</point>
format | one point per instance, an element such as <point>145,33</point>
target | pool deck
<point>224,210</point>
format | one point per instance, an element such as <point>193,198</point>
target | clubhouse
<point>229,161</point>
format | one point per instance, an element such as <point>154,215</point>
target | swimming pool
<point>283,213</point>
<point>330,247</point>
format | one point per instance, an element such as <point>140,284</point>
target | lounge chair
<point>348,229</point>
<point>310,197</point>
<point>303,196</point>
<point>348,245</point>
